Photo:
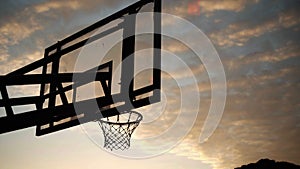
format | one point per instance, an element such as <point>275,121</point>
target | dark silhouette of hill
<point>269,164</point>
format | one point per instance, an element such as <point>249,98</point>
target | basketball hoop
<point>117,130</point>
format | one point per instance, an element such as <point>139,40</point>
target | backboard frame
<point>53,117</point>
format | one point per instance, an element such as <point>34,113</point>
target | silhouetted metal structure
<point>53,117</point>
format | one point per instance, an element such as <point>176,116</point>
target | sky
<point>257,42</point>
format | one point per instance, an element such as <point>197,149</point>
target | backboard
<point>118,86</point>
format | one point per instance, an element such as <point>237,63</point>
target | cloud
<point>76,5</point>
<point>46,22</point>
<point>3,53</point>
<point>26,31</point>
<point>14,64</point>
<point>194,8</point>
<point>258,96</point>
<point>207,7</point>
<point>228,5</point>
<point>237,34</point>
<point>55,5</point>
<point>175,47</point>
<point>253,81</point>
<point>289,18</point>
<point>14,31</point>
<point>289,51</point>
<point>247,131</point>
<point>278,55</point>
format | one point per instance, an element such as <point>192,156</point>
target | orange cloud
<point>194,8</point>
<point>207,7</point>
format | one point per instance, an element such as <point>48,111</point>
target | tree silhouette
<point>269,164</point>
